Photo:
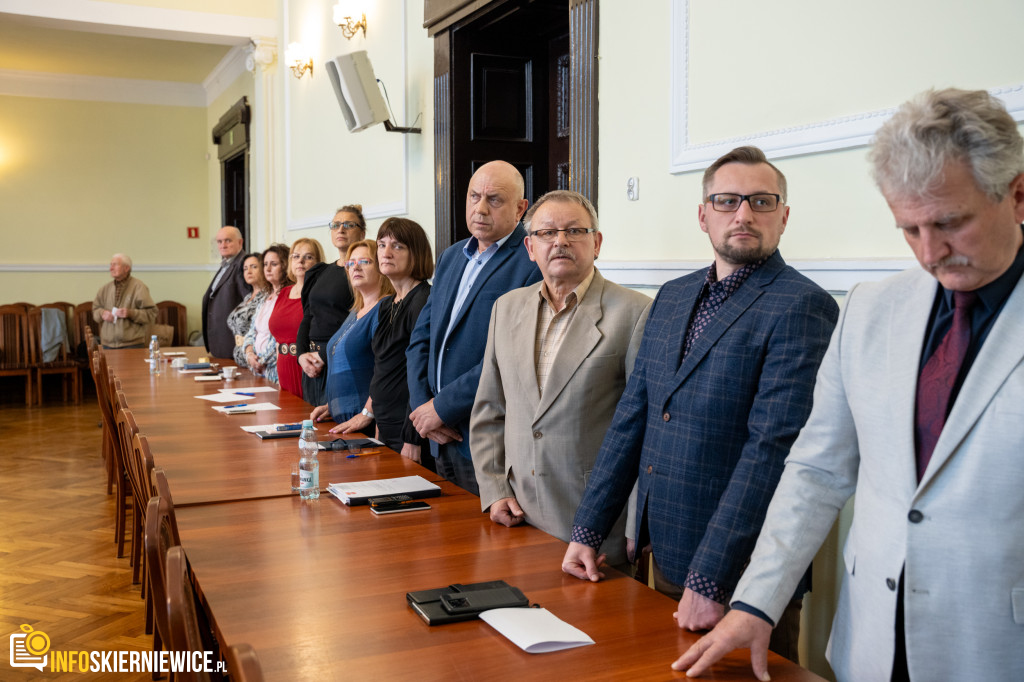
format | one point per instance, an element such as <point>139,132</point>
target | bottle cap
<point>307,423</point>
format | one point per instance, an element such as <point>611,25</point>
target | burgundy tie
<point>938,376</point>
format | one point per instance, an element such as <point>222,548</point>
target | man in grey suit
<point>557,358</point>
<point>918,410</point>
<point>722,385</point>
<point>226,291</point>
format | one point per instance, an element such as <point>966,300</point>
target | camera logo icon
<point>29,647</point>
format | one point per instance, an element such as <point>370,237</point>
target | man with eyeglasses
<point>447,345</point>
<point>721,387</point>
<point>558,355</point>
<point>225,292</point>
<point>917,411</point>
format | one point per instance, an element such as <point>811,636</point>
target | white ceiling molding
<point>835,276</point>
<point>844,132</point>
<point>226,72</point>
<point>100,89</point>
<point>143,22</point>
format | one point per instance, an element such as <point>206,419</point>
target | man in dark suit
<point>446,350</point>
<point>226,291</point>
<point>721,386</point>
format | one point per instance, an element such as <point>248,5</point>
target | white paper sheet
<point>251,389</point>
<point>224,398</point>
<point>205,378</point>
<point>535,631</point>
<point>265,427</point>
<point>256,407</point>
<point>379,488</point>
<point>174,353</point>
<point>193,371</point>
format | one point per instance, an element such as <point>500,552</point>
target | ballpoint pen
<point>251,395</point>
<point>238,405</point>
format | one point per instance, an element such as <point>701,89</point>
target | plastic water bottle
<point>309,466</point>
<point>154,355</point>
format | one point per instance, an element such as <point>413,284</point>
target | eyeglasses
<point>573,234</point>
<point>730,203</point>
<point>362,261</point>
<point>347,225</point>
<point>303,256</point>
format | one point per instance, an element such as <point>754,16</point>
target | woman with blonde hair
<point>349,352</point>
<point>287,315</point>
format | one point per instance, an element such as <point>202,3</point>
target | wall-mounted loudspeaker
<point>357,91</point>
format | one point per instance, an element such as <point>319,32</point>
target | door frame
<point>442,18</point>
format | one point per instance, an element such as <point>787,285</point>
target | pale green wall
<point>83,180</point>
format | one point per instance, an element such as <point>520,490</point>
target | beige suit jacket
<point>957,536</point>
<point>541,450</point>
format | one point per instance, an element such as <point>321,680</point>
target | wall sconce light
<point>298,60</point>
<point>343,18</point>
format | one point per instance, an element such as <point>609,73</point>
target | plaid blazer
<point>707,435</point>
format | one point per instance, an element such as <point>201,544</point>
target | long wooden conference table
<point>318,588</point>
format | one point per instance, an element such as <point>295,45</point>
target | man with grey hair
<point>917,410</point>
<point>557,358</point>
<point>226,291</point>
<point>123,308</point>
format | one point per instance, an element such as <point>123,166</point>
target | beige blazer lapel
<point>1002,352</point>
<point>523,330</point>
<point>580,339</point>
<point>910,311</point>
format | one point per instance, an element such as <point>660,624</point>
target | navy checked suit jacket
<point>707,437</point>
<point>510,268</point>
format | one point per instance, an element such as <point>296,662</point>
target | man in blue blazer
<point>446,350</point>
<point>721,386</point>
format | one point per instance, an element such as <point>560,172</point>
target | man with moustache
<point>721,386</point>
<point>447,346</point>
<point>558,355</point>
<point>917,410</point>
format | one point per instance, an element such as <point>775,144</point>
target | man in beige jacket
<point>123,308</point>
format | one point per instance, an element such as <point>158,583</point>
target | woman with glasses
<point>326,302</point>
<point>259,347</point>
<point>349,352</point>
<point>240,319</point>
<point>287,315</point>
<point>405,258</point>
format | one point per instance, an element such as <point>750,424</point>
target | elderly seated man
<point>123,308</point>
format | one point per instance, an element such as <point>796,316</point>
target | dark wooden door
<point>236,195</point>
<point>504,89</point>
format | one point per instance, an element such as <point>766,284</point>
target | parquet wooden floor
<point>58,569</point>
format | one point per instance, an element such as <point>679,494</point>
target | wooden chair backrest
<point>14,342</point>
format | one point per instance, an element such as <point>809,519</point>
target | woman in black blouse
<point>405,258</point>
<point>326,301</point>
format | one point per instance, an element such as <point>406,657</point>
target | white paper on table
<point>249,406</point>
<point>174,353</point>
<point>224,397</point>
<point>251,389</point>
<point>193,371</point>
<point>213,378</point>
<point>265,427</point>
<point>402,485</point>
<point>535,631</point>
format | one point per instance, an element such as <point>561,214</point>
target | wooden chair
<point>142,464</point>
<point>64,365</point>
<point>122,487</point>
<point>243,665</point>
<point>127,429</point>
<point>183,618</point>
<point>15,356</point>
<point>161,535</point>
<point>86,337</point>
<point>176,315</point>
<point>101,377</point>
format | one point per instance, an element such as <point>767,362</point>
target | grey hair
<point>748,155</point>
<point>566,196</point>
<point>125,260</point>
<point>937,127</point>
